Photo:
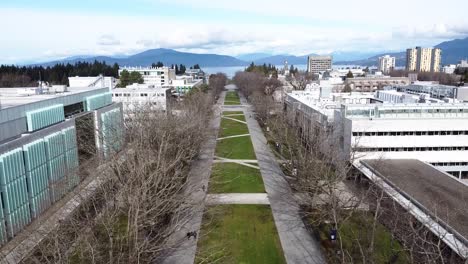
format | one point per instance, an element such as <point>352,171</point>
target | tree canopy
<point>15,76</point>
<point>127,78</point>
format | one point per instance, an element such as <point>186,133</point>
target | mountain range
<point>452,52</point>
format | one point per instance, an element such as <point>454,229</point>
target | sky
<point>33,30</point>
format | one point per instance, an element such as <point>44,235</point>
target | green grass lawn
<point>239,234</point>
<point>231,128</point>
<point>235,178</point>
<point>235,148</point>
<point>239,117</point>
<point>232,112</point>
<point>232,98</point>
<point>359,228</point>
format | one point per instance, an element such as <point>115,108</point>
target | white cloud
<point>64,34</point>
<point>108,40</point>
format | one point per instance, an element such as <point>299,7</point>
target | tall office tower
<point>317,64</point>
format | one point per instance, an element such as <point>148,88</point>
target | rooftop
<point>441,196</point>
<point>11,97</point>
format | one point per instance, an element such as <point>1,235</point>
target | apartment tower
<point>423,59</point>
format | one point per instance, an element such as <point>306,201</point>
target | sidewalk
<point>298,245</point>
<point>183,251</point>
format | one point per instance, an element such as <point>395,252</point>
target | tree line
<point>28,76</point>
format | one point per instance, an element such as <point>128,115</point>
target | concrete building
<point>386,63</point>
<point>183,84</point>
<point>435,133</point>
<point>318,64</point>
<point>434,90</point>
<point>41,147</point>
<point>423,59</point>
<point>153,76</point>
<point>449,69</point>
<point>372,83</point>
<point>142,98</point>
<point>98,82</point>
<point>425,146</point>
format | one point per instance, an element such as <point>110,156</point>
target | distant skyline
<point>51,29</point>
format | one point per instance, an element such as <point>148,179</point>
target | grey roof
<point>439,194</point>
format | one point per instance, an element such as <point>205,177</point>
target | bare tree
<point>141,199</point>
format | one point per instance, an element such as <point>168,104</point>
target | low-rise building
<point>142,97</point>
<point>157,76</point>
<point>374,82</point>
<point>435,133</point>
<point>97,81</point>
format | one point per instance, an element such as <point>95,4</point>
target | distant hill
<point>452,52</point>
<point>249,57</point>
<point>400,58</point>
<point>167,56</point>
<point>279,60</point>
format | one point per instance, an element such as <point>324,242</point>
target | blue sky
<point>49,29</point>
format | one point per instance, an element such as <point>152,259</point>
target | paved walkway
<point>240,162</point>
<point>244,135</point>
<point>182,250</point>
<point>237,198</point>
<point>233,119</point>
<point>233,115</point>
<point>298,245</point>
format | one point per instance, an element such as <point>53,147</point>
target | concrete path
<point>243,135</point>
<point>233,119</point>
<point>238,162</point>
<point>183,251</point>
<point>234,160</point>
<point>233,115</point>
<point>237,198</point>
<point>298,245</point>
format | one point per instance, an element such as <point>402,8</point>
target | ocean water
<point>231,71</point>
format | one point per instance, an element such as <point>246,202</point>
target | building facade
<point>436,133</point>
<point>386,63</point>
<point>423,59</point>
<point>40,149</point>
<point>160,76</point>
<point>318,64</point>
<point>142,99</point>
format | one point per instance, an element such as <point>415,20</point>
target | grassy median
<point>239,234</point>
<point>232,98</point>
<point>232,128</point>
<point>235,148</point>
<point>235,178</point>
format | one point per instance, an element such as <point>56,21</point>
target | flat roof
<point>440,195</point>
<point>9,97</point>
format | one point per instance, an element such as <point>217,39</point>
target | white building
<point>183,84</point>
<point>435,133</point>
<point>138,97</point>
<point>449,69</point>
<point>98,82</point>
<point>317,64</point>
<point>153,76</point>
<point>386,63</point>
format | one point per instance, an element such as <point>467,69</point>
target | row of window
<point>136,95</point>
<point>410,149</point>
<point>411,133</point>
<point>450,164</point>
